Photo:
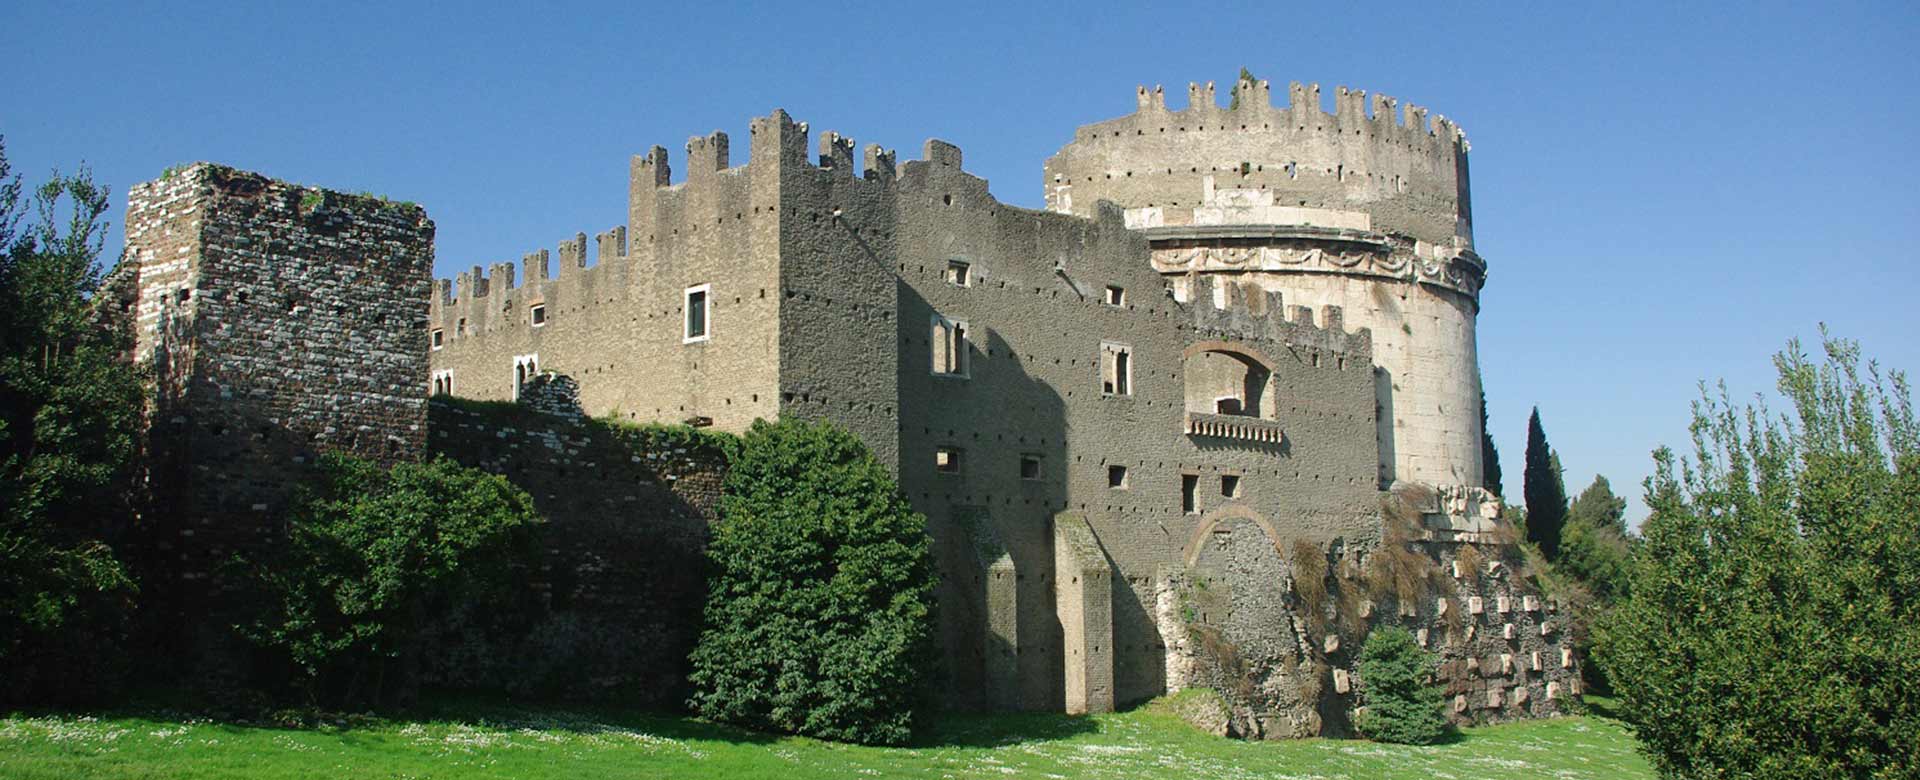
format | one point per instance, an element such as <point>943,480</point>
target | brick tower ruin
<point>279,322</point>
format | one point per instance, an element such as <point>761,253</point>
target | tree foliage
<point>1773,624</point>
<point>69,406</point>
<point>1545,491</point>
<point>372,554</point>
<point>1401,706</point>
<point>819,616</point>
<point>1246,77</point>
<point>1595,545</point>
<point>1489,454</point>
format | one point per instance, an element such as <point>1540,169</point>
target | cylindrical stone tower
<point>1367,212</point>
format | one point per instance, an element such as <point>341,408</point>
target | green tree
<point>372,554</point>
<point>1773,624</point>
<point>1545,493</point>
<point>819,615</point>
<point>1489,454</point>
<point>1595,544</point>
<point>69,406</point>
<point>1246,77</point>
<point>1401,706</point>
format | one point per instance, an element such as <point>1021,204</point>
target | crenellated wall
<point>1404,172</point>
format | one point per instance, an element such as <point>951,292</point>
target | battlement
<point>1253,100</point>
<point>1396,162</point>
<point>1221,307</point>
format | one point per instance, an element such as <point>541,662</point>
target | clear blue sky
<point>1665,192</point>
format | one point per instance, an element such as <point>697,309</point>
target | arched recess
<point>1223,377</point>
<point>1198,541</point>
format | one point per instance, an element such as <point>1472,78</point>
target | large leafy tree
<point>69,407</point>
<point>1545,492</point>
<point>372,555</point>
<point>1773,625</point>
<point>819,615</point>
<point>1595,544</point>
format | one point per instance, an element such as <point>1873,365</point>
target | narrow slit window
<point>946,460</point>
<point>950,349</point>
<point>959,273</point>
<point>1029,467</point>
<point>1117,477</point>
<point>1116,369</point>
<point>1116,296</point>
<point>538,313</point>
<point>697,328</point>
<point>1190,493</point>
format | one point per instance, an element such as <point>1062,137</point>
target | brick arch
<point>1231,348</point>
<point>1191,554</point>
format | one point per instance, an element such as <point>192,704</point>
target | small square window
<point>1190,493</point>
<point>696,309</point>
<point>1116,296</point>
<point>539,314</point>
<point>439,338</point>
<point>1029,467</point>
<point>946,460</point>
<point>1117,477</point>
<point>1230,485</point>
<point>957,273</point>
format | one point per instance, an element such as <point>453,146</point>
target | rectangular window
<point>1230,485</point>
<point>439,338</point>
<point>957,273</point>
<point>697,329</point>
<point>460,329</point>
<point>1029,467</point>
<point>946,460</point>
<point>1116,296</point>
<point>1116,369</point>
<point>1190,493</point>
<point>1117,477</point>
<point>538,314</point>
<point>950,349</point>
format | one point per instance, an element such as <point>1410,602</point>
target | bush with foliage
<point>819,615</point>
<point>372,555</point>
<point>1401,705</point>
<point>69,406</point>
<point>1773,624</point>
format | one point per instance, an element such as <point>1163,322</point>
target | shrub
<point>819,615</point>
<point>1772,626</point>
<point>1400,706</point>
<point>372,555</point>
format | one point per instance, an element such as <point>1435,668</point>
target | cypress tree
<point>1489,455</point>
<point>1546,495</point>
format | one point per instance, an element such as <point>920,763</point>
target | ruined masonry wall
<point>281,322</point>
<point>628,519</point>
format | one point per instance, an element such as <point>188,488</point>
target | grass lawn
<point>488,741</point>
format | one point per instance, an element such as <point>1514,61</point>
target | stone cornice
<point>1311,250</point>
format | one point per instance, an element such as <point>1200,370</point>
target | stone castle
<point>1214,409</point>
